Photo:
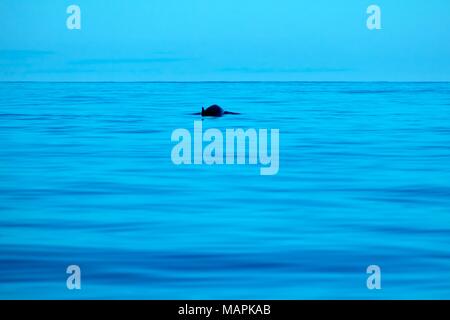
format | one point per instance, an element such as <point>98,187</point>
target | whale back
<point>213,111</point>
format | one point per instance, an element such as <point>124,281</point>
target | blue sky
<point>211,40</point>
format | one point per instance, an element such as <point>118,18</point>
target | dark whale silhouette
<point>214,111</point>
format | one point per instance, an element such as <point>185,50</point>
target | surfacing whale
<point>214,111</point>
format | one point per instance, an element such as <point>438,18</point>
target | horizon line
<point>229,81</point>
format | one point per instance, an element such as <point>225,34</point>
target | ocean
<point>86,179</point>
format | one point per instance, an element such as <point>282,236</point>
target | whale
<point>214,111</point>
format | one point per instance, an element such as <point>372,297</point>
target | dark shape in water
<point>214,111</point>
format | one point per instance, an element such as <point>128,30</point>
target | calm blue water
<point>86,178</point>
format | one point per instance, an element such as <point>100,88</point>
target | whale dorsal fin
<point>203,111</point>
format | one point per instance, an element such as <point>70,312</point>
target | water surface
<point>86,178</point>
